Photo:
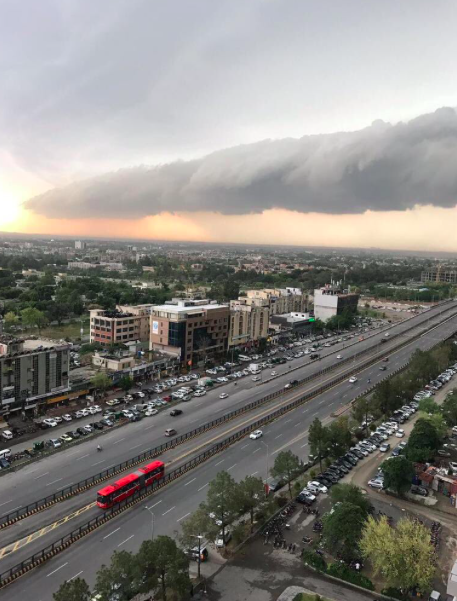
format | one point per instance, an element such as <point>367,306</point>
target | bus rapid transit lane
<point>134,525</point>
<point>271,408</point>
<point>279,426</point>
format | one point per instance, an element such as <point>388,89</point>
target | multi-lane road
<point>173,503</point>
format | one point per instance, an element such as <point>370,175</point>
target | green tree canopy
<point>317,440</point>
<point>32,317</point>
<point>10,319</point>
<point>449,410</point>
<point>198,523</point>
<point>286,466</point>
<point>73,590</point>
<point>222,500</point>
<point>251,495</point>
<point>343,529</point>
<point>163,568</point>
<point>361,411</point>
<point>423,441</point>
<point>428,406</point>
<point>101,382</point>
<point>120,580</point>
<point>339,437</point>
<point>125,383</point>
<point>398,474</point>
<point>403,556</point>
<point>350,493</point>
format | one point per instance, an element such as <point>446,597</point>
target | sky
<point>309,122</point>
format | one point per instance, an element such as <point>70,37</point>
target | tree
<point>121,579</point>
<point>339,437</point>
<point>423,441</point>
<point>251,494</point>
<point>350,493</point>
<point>317,439</point>
<point>361,411</point>
<point>402,555</point>
<point>438,422</point>
<point>73,590</point>
<point>343,528</point>
<point>286,466</point>
<point>222,500</point>
<point>196,524</point>
<point>449,410</point>
<point>101,382</point>
<point>11,320</point>
<point>163,567</point>
<point>423,367</point>
<point>398,474</point>
<point>125,383</point>
<point>33,318</point>
<point>428,406</point>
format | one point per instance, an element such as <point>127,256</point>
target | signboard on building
<point>155,327</point>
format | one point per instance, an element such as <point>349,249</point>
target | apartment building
<point>31,373</point>
<point>80,245</point>
<point>124,324</point>
<point>191,330</point>
<point>439,274</point>
<point>248,322</point>
<point>332,300</point>
<point>279,300</point>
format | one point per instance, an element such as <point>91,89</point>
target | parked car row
<point>52,422</point>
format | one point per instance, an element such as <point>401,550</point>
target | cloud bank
<point>379,168</point>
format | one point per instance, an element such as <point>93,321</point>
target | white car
<point>7,434</point>
<point>67,417</point>
<point>223,395</point>
<point>376,483</point>
<point>50,422</point>
<point>308,494</point>
<point>93,410</point>
<point>352,380</point>
<point>256,434</point>
<point>319,486</point>
<point>273,373</point>
<point>219,542</point>
<point>339,356</point>
<point>400,433</point>
<point>150,412</point>
<point>256,379</point>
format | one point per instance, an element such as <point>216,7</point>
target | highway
<point>173,503</point>
<point>78,462</point>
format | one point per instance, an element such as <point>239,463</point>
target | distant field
<point>66,330</point>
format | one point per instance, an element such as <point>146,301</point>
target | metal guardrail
<point>78,487</point>
<point>62,543</point>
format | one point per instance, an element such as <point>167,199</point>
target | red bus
<point>126,486</point>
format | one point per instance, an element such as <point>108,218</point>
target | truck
<point>254,368</point>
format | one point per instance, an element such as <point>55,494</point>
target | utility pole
<point>152,522</point>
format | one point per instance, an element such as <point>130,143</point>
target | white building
<point>332,300</point>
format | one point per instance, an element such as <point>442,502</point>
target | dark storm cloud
<point>379,168</point>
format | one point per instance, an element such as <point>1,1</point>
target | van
<point>5,454</point>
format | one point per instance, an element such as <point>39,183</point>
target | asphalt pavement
<point>176,501</point>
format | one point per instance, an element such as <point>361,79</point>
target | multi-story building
<point>124,324</point>
<point>332,300</point>
<point>191,330</point>
<point>439,274</point>
<point>80,245</point>
<point>31,372</point>
<point>280,300</point>
<point>248,323</point>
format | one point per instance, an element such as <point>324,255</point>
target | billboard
<point>155,327</point>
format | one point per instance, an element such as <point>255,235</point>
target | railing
<point>82,485</point>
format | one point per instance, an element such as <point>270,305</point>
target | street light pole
<point>268,453</point>
<point>199,537</point>
<point>152,521</point>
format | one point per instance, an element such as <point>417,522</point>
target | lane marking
<point>190,482</point>
<point>136,446</point>
<point>83,457</point>
<point>98,462</point>
<point>304,445</point>
<point>62,566</point>
<point>75,576</point>
<point>168,510</point>
<point>54,481</point>
<point>118,441</point>
<point>113,532</point>
<point>219,462</point>
<point>279,436</point>
<point>154,505</point>
<point>256,450</point>
<point>149,427</point>
<point>287,421</point>
<point>184,516</point>
<point>38,477</point>
<point>6,502</point>
<point>246,445</point>
<point>126,540</point>
<point>202,487</point>
<point>231,467</point>
<point>254,473</point>
<point>296,425</point>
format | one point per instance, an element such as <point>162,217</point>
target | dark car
<point>344,462</point>
<point>383,368</point>
<point>304,500</point>
<point>275,485</point>
<point>106,422</point>
<point>74,434</point>
<point>352,459</point>
<point>97,425</point>
<point>324,481</point>
<point>419,490</point>
<point>4,464</point>
<point>332,477</point>
<point>82,431</point>
<point>175,412</point>
<point>136,417</point>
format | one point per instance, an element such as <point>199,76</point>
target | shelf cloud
<point>380,168</point>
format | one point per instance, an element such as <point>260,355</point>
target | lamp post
<point>152,521</point>
<point>199,537</point>
<point>266,475</point>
